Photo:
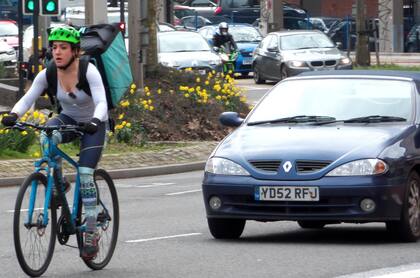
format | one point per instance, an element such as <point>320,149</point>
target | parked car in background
<point>8,57</point>
<point>194,22</point>
<point>247,11</point>
<point>204,8</point>
<point>246,37</point>
<point>344,32</point>
<point>291,23</point>
<point>9,33</point>
<point>321,148</point>
<point>323,23</point>
<point>288,53</point>
<point>181,11</point>
<point>184,49</point>
<point>412,41</point>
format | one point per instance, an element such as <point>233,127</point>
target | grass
<point>390,67</point>
<point>72,149</point>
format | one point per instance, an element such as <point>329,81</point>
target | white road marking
<point>402,271</point>
<point>183,192</point>
<point>253,88</point>
<point>159,238</point>
<point>157,184</point>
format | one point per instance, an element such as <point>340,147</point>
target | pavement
<point>189,157</point>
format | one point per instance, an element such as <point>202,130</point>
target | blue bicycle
<point>35,223</point>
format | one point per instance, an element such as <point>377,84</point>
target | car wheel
<point>408,228</point>
<point>311,224</point>
<point>283,72</point>
<point>257,77</point>
<point>221,228</point>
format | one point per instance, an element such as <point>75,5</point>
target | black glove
<point>10,120</point>
<point>91,127</point>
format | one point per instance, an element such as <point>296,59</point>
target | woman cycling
<point>77,107</point>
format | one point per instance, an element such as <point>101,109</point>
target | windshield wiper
<point>295,119</point>
<point>375,119</point>
<point>367,119</point>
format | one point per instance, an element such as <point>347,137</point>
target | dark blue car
<point>247,39</point>
<point>320,148</point>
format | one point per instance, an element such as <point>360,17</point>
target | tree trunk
<point>362,43</point>
<point>152,57</point>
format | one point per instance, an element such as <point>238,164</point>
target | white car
<point>7,56</point>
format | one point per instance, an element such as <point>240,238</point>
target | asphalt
<point>190,157</point>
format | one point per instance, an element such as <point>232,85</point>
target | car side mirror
<point>231,119</point>
<point>273,49</point>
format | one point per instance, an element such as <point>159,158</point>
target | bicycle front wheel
<point>34,242</point>
<point>108,219</point>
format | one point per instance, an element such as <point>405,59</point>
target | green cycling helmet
<point>65,34</point>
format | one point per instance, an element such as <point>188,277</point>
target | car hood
<point>312,54</point>
<point>247,46</point>
<point>189,59</point>
<point>336,144</point>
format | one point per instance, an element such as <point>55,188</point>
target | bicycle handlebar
<point>73,128</point>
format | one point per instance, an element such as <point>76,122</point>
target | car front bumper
<point>340,199</point>
<point>297,71</point>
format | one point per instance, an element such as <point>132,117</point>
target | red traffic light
<point>122,26</point>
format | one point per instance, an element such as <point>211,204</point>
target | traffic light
<point>50,7</point>
<point>28,7</point>
<point>122,26</point>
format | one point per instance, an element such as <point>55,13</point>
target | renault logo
<point>287,166</point>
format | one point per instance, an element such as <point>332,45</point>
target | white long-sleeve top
<point>82,108</point>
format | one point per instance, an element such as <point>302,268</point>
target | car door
<point>260,55</point>
<point>272,60</point>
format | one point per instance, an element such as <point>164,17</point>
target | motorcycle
<point>228,57</point>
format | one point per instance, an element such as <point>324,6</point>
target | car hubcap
<point>414,206</point>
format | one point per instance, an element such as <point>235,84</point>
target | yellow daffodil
<point>207,82</point>
<point>133,86</point>
<point>191,90</point>
<point>187,95</point>
<point>128,125</point>
<point>198,80</point>
<point>24,133</point>
<point>151,108</point>
<point>146,89</point>
<point>218,97</point>
<point>123,123</point>
<point>149,101</point>
<point>35,114</point>
<point>159,91</point>
<point>121,116</point>
<point>36,154</point>
<point>1,131</point>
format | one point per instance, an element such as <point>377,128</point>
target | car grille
<point>309,166</point>
<point>246,67</point>
<point>327,63</point>
<point>247,204</point>
<point>266,165</point>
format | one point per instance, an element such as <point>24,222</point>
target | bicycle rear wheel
<point>108,219</point>
<point>34,243</point>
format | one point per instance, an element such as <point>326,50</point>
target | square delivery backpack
<point>103,45</point>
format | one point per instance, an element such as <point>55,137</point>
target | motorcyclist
<point>223,38</point>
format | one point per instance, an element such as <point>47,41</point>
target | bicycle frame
<point>49,153</point>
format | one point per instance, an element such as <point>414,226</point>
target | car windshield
<point>182,42</point>
<point>8,29</point>
<point>245,34</point>
<point>303,41</point>
<point>338,98</point>
<point>329,22</point>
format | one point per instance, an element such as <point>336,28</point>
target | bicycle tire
<point>36,232</point>
<point>104,257</point>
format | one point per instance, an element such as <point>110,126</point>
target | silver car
<point>8,57</point>
<point>288,53</point>
<point>183,49</point>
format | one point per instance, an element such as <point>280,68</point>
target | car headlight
<point>11,52</point>
<point>222,166</point>
<point>364,167</point>
<point>297,64</point>
<point>345,61</point>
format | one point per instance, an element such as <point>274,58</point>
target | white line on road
<point>183,192</point>
<point>254,88</point>
<point>406,274</point>
<point>163,237</point>
<point>157,184</point>
<point>12,210</point>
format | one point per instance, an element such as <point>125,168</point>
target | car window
<point>273,43</point>
<point>265,42</point>
<point>245,34</point>
<point>8,29</point>
<point>242,3</point>
<point>339,98</point>
<point>202,3</point>
<point>182,42</point>
<point>183,12</point>
<point>302,41</point>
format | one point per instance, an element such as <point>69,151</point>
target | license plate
<point>247,61</point>
<point>287,193</point>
